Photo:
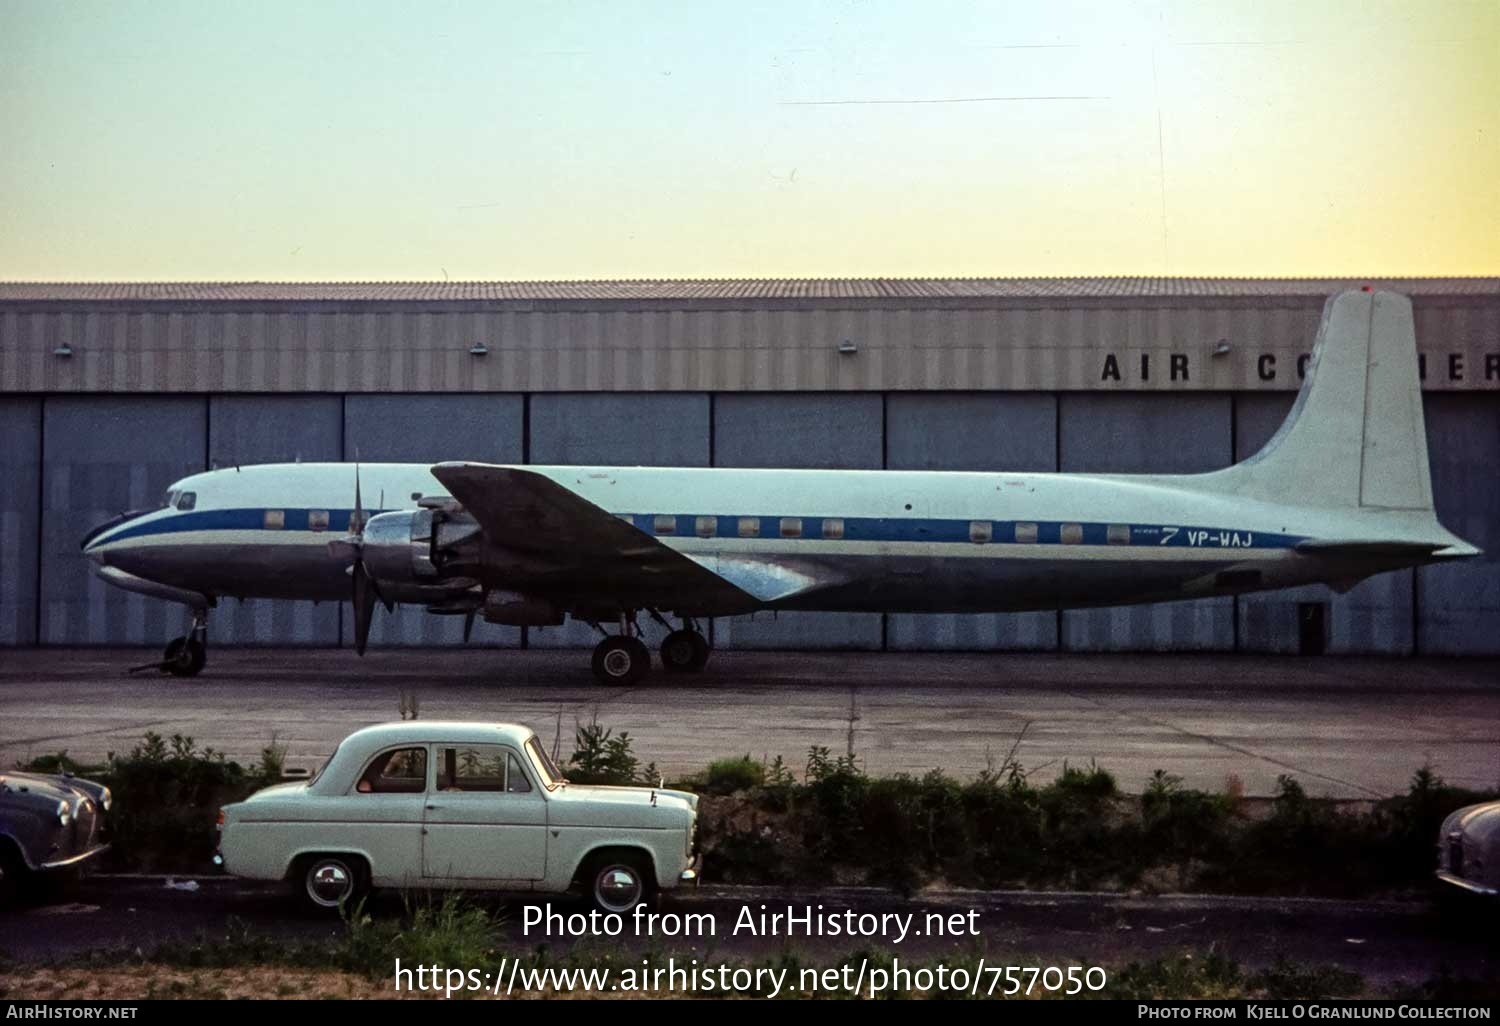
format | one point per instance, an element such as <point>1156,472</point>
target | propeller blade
<point>468,625</point>
<point>357,522</point>
<point>364,606</point>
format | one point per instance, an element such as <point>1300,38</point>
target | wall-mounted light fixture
<point>848,348</point>
<point>479,349</point>
<point>63,352</point>
<point>1222,349</point>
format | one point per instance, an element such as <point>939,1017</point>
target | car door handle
<point>431,807</point>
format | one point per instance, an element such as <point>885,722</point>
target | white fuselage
<point>794,539</point>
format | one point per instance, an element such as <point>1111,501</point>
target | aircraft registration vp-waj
<point>1342,491</point>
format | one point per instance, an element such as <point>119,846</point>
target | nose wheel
<point>185,656</point>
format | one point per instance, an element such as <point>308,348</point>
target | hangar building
<point>108,392</point>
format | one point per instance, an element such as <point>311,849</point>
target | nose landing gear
<point>187,655</point>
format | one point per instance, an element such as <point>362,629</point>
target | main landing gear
<point>187,655</point>
<point>623,659</point>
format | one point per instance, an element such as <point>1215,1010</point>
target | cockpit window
<point>187,500</point>
<point>170,500</point>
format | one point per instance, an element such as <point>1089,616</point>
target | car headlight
<point>64,816</point>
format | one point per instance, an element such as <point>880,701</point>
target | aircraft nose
<point>96,543</point>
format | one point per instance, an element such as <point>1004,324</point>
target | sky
<point>313,140</point>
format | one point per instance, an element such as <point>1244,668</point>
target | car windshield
<point>545,767</point>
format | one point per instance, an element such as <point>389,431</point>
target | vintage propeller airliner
<point>1340,493</point>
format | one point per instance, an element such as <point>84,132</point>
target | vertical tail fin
<point>1355,438</point>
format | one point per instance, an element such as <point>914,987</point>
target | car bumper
<point>74,860</point>
<point>693,872</point>
<point>1468,885</point>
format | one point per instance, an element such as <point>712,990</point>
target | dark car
<point>49,825</point>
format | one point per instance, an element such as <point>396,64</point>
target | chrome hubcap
<point>618,888</point>
<point>329,883</point>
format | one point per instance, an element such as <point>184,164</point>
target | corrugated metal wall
<point>645,348</point>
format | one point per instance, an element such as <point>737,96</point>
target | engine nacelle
<point>421,545</point>
<point>398,546</point>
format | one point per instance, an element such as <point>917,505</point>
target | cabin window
<point>791,527</point>
<point>706,526</point>
<point>833,528</point>
<point>981,531</point>
<point>187,500</point>
<point>398,771</point>
<point>1072,534</point>
<point>749,527</point>
<point>275,519</point>
<point>1026,533</point>
<point>317,520</point>
<point>665,524</point>
<point>1118,534</point>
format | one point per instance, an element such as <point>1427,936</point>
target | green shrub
<point>726,776</point>
<point>601,757</point>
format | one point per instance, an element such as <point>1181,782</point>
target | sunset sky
<point>271,140</point>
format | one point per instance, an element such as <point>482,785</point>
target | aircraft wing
<point>573,547</point>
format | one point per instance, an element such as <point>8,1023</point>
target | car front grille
<point>1456,856</point>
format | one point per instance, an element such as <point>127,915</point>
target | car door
<point>485,817</point>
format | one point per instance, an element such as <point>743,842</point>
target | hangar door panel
<point>1146,434</point>
<point>273,429</point>
<point>429,428</point>
<point>631,429</point>
<point>103,455</point>
<point>20,503</point>
<point>1458,605</point>
<point>982,432</point>
<point>804,431</point>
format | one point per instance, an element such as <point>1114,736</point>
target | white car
<point>464,806</point>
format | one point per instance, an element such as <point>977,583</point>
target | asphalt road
<point>1383,941</point>
<point>1352,728</point>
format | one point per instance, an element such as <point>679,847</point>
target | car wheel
<point>330,883</point>
<point>618,883</point>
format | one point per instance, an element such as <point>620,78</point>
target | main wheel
<point>184,657</point>
<point>621,660</point>
<point>619,882</point>
<point>684,652</point>
<point>329,883</point>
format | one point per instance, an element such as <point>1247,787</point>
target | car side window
<point>480,768</point>
<point>399,771</point>
<point>515,778</point>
